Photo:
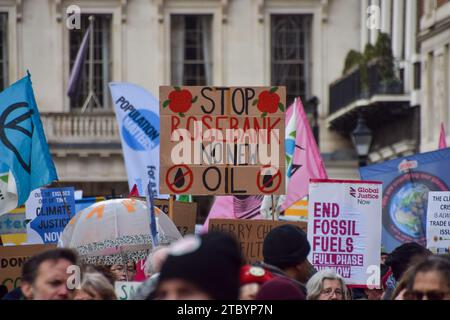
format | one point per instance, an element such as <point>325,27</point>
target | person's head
<point>251,279</point>
<point>94,286</point>
<point>287,247</point>
<point>326,284</point>
<point>404,256</point>
<point>383,257</point>
<point>44,276</point>
<point>377,293</point>
<point>155,260</point>
<point>429,280</point>
<point>201,267</point>
<point>124,272</point>
<point>280,288</point>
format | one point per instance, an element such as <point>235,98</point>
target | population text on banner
<point>438,222</point>
<point>222,140</point>
<point>137,117</point>
<point>344,229</point>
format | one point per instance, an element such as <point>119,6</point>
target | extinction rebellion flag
<point>25,160</point>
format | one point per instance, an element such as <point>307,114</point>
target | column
<point>364,29</point>
<point>397,28</point>
<point>374,32</point>
<point>386,13</point>
<point>410,43</point>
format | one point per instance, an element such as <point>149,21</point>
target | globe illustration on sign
<point>408,209</point>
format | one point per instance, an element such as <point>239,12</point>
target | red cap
<point>252,274</point>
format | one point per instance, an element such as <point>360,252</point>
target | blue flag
<point>25,160</point>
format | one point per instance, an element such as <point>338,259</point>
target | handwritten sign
<point>125,290</point>
<point>438,222</point>
<point>12,259</point>
<point>249,233</point>
<point>184,214</point>
<point>222,140</point>
<point>344,229</point>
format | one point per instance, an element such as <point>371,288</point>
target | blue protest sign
<point>406,183</point>
<point>51,210</point>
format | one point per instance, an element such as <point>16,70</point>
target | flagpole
<point>91,93</point>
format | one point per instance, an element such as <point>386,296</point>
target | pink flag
<point>307,162</point>
<point>442,142</point>
<point>234,207</point>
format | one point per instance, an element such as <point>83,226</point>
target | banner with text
<point>12,259</point>
<point>222,140</point>
<point>137,117</point>
<point>250,234</point>
<point>438,222</point>
<point>49,211</point>
<point>344,229</point>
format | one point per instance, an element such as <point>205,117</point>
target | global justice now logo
<point>364,194</point>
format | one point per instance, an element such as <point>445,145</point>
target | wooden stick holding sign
<point>273,208</point>
<point>171,206</point>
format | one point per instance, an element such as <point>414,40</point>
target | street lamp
<point>362,138</point>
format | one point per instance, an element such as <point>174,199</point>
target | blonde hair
<point>95,282</point>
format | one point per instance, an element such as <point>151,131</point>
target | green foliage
<point>381,52</point>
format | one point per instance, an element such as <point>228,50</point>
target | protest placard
<point>49,211</point>
<point>13,222</point>
<point>12,259</point>
<point>249,233</point>
<point>344,229</point>
<point>184,214</point>
<point>438,222</point>
<point>125,290</point>
<point>222,140</point>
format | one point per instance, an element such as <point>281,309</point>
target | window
<point>291,54</point>
<point>3,50</point>
<point>191,50</point>
<point>102,60</point>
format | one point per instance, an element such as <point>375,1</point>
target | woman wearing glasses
<point>327,285</point>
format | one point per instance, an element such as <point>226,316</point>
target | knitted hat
<point>253,274</point>
<point>280,289</point>
<point>211,262</point>
<point>285,246</point>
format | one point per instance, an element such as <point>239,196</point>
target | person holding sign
<point>285,249</point>
<point>202,267</point>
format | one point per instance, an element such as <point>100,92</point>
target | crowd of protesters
<point>210,266</point>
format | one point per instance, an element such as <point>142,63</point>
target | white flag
<point>137,113</point>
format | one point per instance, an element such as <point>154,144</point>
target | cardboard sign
<point>12,259</point>
<point>184,214</point>
<point>438,222</point>
<point>50,210</point>
<point>222,140</point>
<point>249,233</point>
<point>125,290</point>
<point>344,229</point>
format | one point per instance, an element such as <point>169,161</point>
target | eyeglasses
<point>329,292</point>
<point>431,295</point>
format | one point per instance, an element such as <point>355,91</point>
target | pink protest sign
<point>344,229</point>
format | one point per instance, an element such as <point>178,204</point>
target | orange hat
<point>253,274</point>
